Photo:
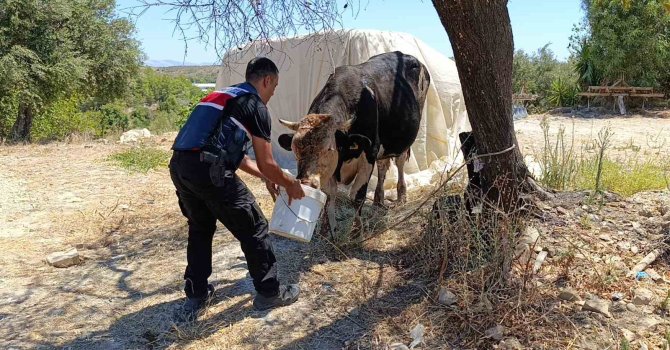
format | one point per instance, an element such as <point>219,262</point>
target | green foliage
<point>62,119</point>
<point>623,39</point>
<point>73,66</point>
<point>563,93</point>
<point>162,101</point>
<point>140,117</point>
<point>585,64</point>
<point>186,110</point>
<point>141,159</point>
<point>625,177</point>
<point>535,73</point>
<point>9,108</point>
<point>112,119</point>
<point>558,161</point>
<point>52,49</point>
<point>195,74</point>
<point>157,102</point>
<point>152,87</point>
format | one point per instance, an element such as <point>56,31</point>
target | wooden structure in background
<point>519,104</point>
<point>620,92</point>
<point>522,97</point>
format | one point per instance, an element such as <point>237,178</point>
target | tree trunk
<point>481,38</point>
<point>24,122</point>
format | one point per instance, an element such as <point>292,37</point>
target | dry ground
<point>130,231</point>
<point>649,132</point>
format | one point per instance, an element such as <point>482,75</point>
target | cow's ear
<point>360,142</point>
<point>341,140</point>
<point>285,141</point>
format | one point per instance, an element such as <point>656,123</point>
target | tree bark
<point>481,38</point>
<point>23,124</point>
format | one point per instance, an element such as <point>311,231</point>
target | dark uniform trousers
<point>234,205</point>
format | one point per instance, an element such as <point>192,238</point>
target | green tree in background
<point>623,39</point>
<point>161,102</point>
<point>152,88</point>
<point>541,73</point>
<point>52,49</point>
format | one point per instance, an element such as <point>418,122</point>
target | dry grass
<point>471,256</point>
<point>129,229</point>
<point>598,165</point>
<point>361,296</point>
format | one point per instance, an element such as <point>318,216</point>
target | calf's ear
<point>285,141</point>
<point>360,142</point>
<point>351,146</point>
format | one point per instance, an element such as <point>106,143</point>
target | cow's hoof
<point>325,231</point>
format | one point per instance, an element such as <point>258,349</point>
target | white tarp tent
<point>305,64</point>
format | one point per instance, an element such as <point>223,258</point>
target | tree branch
<point>230,24</point>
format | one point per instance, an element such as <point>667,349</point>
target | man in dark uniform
<point>207,151</point>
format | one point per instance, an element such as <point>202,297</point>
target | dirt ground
<point>647,135</point>
<point>129,230</point>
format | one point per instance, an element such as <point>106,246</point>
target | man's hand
<point>273,189</point>
<point>294,191</point>
<point>271,171</point>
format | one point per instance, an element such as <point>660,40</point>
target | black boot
<point>288,294</point>
<point>189,311</point>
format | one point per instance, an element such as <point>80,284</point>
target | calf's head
<point>320,144</point>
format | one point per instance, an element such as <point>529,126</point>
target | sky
<point>534,24</point>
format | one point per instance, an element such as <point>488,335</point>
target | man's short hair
<point>260,67</point>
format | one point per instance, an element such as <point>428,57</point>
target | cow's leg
<point>382,167</point>
<point>328,223</point>
<point>360,185</point>
<point>402,188</point>
<point>359,190</point>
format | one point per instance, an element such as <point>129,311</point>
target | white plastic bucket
<point>298,220</point>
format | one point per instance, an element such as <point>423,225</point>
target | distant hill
<point>196,74</point>
<point>167,63</point>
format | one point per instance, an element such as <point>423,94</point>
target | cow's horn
<point>291,125</point>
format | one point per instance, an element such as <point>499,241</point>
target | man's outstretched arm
<point>250,167</point>
<point>269,169</point>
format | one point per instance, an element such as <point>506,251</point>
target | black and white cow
<point>365,113</point>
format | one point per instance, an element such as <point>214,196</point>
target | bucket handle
<point>292,212</point>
